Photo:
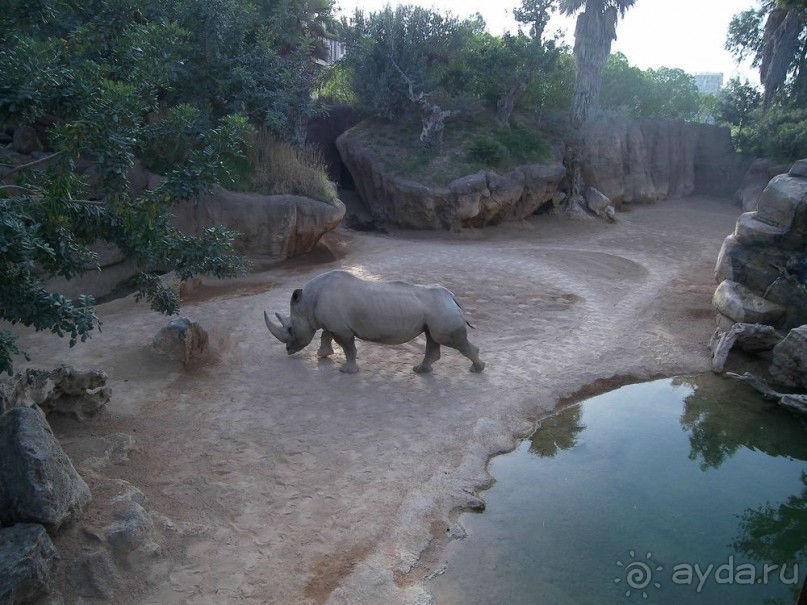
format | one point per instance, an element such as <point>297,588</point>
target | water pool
<point>683,490</point>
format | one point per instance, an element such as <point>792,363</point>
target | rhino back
<point>389,312</point>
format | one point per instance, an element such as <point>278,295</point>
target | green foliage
<point>654,93</point>
<point>487,151</point>
<point>171,84</point>
<point>410,40</point>
<point>780,134</point>
<point>738,101</point>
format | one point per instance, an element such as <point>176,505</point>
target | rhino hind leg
<point>472,352</point>
<point>432,355</point>
<point>458,339</point>
<point>325,346</point>
<point>349,347</point>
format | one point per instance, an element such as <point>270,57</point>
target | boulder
<point>273,226</point>
<point>598,203</point>
<point>182,340</point>
<point>789,365</point>
<point>64,390</point>
<point>28,564</point>
<point>738,303</point>
<point>38,483</point>
<point>754,181</point>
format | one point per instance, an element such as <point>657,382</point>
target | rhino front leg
<point>432,355</point>
<point>325,346</point>
<point>349,347</point>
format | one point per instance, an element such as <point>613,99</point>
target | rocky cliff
<point>475,200</point>
<point>627,160</point>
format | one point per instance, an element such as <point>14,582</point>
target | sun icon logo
<point>638,574</point>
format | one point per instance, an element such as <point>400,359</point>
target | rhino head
<point>295,330</point>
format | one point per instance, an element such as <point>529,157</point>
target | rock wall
<point>626,160</point>
<point>650,160</point>
<point>475,200</point>
<point>274,226</point>
<point>762,266</point>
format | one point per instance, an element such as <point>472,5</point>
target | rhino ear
<point>278,330</point>
<point>296,296</point>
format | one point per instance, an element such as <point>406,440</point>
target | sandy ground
<point>286,481</point>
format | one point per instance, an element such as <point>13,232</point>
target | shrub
<point>487,151</point>
<point>278,167</point>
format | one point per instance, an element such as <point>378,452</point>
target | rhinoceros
<point>347,307</point>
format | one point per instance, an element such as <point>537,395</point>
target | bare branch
<point>33,164</point>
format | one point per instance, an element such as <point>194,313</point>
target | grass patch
<point>470,144</point>
<point>275,167</point>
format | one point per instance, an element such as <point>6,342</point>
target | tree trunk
<point>593,35</point>
<point>780,41</point>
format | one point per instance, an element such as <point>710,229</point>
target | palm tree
<point>593,35</point>
<point>781,46</point>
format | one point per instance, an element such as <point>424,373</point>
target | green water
<point>631,496</point>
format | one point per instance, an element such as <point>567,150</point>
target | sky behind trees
<point>687,34</point>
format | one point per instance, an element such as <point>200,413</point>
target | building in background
<point>709,83</point>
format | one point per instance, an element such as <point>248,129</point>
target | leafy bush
<point>781,134</point>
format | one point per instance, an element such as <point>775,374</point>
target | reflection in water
<point>691,471</point>
<point>774,534</point>
<point>557,433</point>
<point>722,418</point>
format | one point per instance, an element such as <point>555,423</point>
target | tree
<point>594,32</point>
<point>399,59</point>
<point>737,103</point>
<point>775,38</point>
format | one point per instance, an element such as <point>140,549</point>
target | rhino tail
<point>456,302</point>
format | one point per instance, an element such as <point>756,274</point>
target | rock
<point>28,564</point>
<point>182,340</point>
<point>64,390</point>
<point>780,201</point>
<point>132,529</point>
<point>767,253</point>
<point>26,140</point>
<point>799,169</point>
<point>93,575</point>
<point>476,200</point>
<point>599,204</point>
<point>754,181</point>
<point>789,366</point>
<point>273,226</point>
<point>743,306</point>
<point>38,483</point>
<point>750,230</point>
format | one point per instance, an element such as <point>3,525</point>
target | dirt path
<point>288,482</point>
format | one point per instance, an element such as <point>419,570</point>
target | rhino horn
<point>277,328</point>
